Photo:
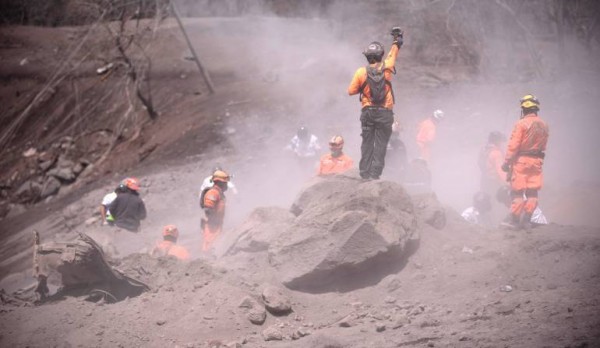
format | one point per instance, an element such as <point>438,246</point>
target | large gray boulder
<point>344,233</point>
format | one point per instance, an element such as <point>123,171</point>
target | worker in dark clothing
<point>128,209</point>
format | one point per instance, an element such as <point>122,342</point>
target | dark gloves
<point>505,167</point>
<point>398,42</point>
<point>398,36</point>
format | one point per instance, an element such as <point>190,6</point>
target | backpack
<point>202,196</point>
<point>377,82</point>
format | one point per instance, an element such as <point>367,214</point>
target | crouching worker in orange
<point>168,246</point>
<point>335,162</point>
<point>523,163</point>
<point>213,203</point>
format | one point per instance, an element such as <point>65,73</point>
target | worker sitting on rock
<point>128,209</point>
<point>213,203</point>
<point>336,161</point>
<point>168,246</point>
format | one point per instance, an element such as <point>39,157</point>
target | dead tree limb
<point>203,71</point>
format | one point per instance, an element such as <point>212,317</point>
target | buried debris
<point>80,269</point>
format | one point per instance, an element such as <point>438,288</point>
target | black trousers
<point>376,125</point>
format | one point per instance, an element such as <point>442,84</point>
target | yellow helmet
<point>220,175</point>
<point>529,101</point>
<point>336,143</point>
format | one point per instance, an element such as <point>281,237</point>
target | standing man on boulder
<point>373,84</point>
<point>523,162</point>
<point>213,203</point>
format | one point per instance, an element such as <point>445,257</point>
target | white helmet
<point>438,114</point>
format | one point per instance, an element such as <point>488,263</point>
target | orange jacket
<point>360,76</point>
<point>530,135</point>
<point>426,132</point>
<point>168,248</point>
<point>214,205</point>
<point>334,165</point>
<point>493,163</point>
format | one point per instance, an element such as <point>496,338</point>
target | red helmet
<point>170,231</point>
<point>132,183</point>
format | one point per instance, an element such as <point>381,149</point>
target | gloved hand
<point>399,41</point>
<point>398,36</point>
<point>505,167</point>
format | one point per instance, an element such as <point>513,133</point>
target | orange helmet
<point>220,175</point>
<point>336,143</point>
<point>170,231</point>
<point>131,183</point>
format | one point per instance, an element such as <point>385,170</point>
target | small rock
<point>247,302</point>
<point>275,300</point>
<point>506,288</point>
<point>272,334</point>
<point>161,322</point>
<point>30,152</point>
<point>380,327</point>
<point>390,299</point>
<point>400,321</point>
<point>347,321</point>
<point>257,316</point>
<point>51,187</point>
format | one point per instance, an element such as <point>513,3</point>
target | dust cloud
<point>303,66</point>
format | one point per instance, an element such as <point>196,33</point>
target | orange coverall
<point>168,248</point>
<point>360,77</point>
<point>426,136</point>
<point>214,207</point>
<point>330,165</point>
<point>526,155</point>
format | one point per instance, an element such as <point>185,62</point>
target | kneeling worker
<point>168,246</point>
<point>335,162</point>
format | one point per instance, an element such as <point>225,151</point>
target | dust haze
<point>307,64</point>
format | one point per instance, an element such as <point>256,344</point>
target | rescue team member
<point>335,162</point>
<point>209,183</point>
<point>128,209</point>
<point>523,162</point>
<point>491,159</point>
<point>304,144</point>
<point>168,246</point>
<point>213,203</point>
<point>106,216</point>
<point>426,134</point>
<point>373,84</point>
